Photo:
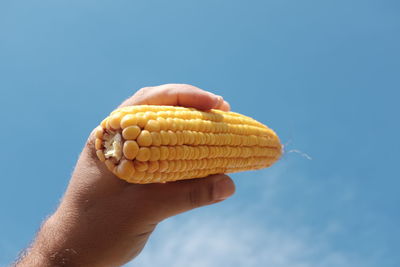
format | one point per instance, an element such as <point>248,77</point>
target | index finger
<point>177,95</point>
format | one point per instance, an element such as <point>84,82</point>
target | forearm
<point>84,236</point>
<point>46,249</point>
<point>64,240</point>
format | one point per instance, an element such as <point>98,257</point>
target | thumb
<point>166,200</point>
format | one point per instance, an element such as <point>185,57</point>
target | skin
<point>105,221</point>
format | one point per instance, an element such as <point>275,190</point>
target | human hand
<point>105,221</point>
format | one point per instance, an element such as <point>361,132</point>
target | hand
<point>105,221</point>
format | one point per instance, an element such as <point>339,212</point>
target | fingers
<point>224,106</point>
<point>177,95</point>
<point>166,200</point>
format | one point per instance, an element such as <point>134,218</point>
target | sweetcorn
<point>153,144</point>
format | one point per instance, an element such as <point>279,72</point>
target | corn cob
<point>150,144</point>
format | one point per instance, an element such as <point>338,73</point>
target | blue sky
<point>323,74</point>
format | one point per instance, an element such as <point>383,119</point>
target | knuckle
<point>91,138</point>
<point>138,97</point>
<point>90,145</point>
<point>142,91</point>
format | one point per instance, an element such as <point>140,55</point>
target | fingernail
<point>223,188</point>
<point>220,101</point>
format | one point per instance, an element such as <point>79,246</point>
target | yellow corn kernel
<point>154,153</point>
<point>178,165</point>
<point>156,177</point>
<point>179,138</point>
<point>171,124</point>
<point>99,132</point>
<point>141,119</point>
<point>153,166</point>
<point>131,132</point>
<point>103,123</point>
<point>144,138</point>
<point>163,123</point>
<point>125,169</point>
<point>185,136</point>
<point>100,155</point>
<point>173,140</point>
<point>130,149</point>
<point>137,177</point>
<point>156,138</point>
<point>147,178</point>
<point>152,126</point>
<point>196,153</point>
<point>180,124</point>
<point>171,153</point>
<point>204,152</point>
<point>140,165</point>
<point>128,120</point>
<point>171,166</point>
<point>143,154</point>
<point>150,115</point>
<point>179,152</point>
<point>163,165</point>
<point>186,152</point>
<point>115,120</point>
<point>98,143</point>
<point>191,153</point>
<point>164,137</point>
<point>164,152</point>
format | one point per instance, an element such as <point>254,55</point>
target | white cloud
<point>202,239</point>
<point>237,242</point>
